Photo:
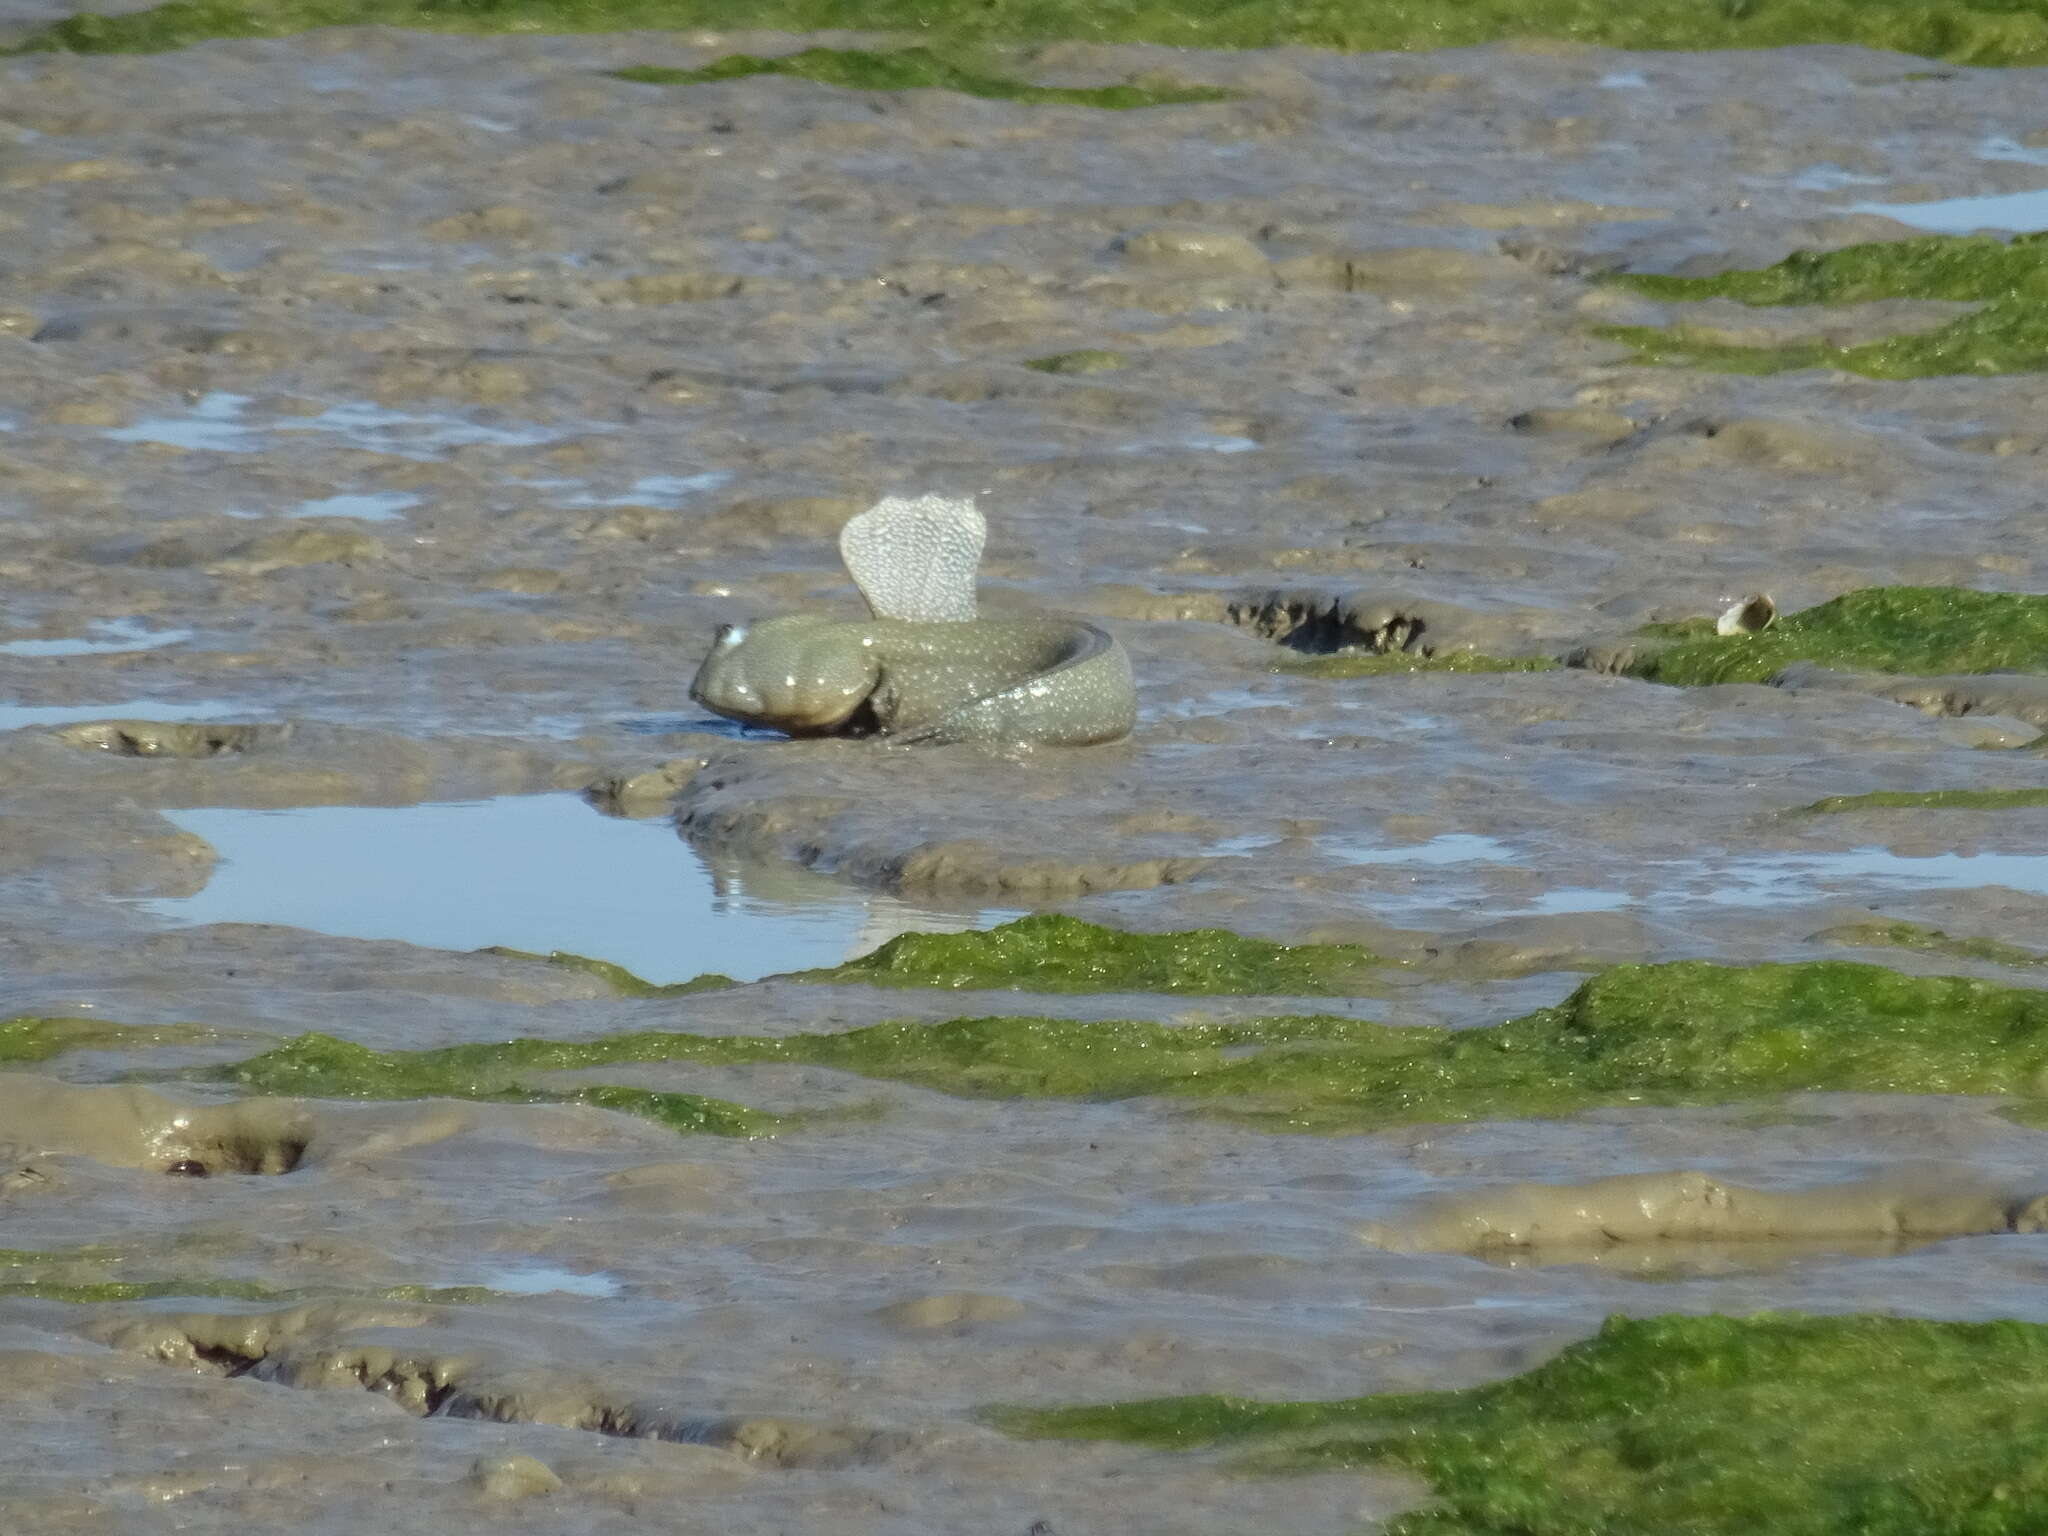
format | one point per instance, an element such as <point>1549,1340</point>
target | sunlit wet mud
<point>386,423</point>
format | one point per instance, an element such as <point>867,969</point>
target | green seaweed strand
<point>2007,334</point>
<point>1684,1032</point>
<point>913,69</point>
<point>1986,32</point>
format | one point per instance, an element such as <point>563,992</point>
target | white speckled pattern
<point>924,669</point>
<point>915,559</point>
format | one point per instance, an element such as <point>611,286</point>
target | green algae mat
<point>1930,800</point>
<point>1050,953</point>
<point>912,69</point>
<point>1929,941</point>
<point>1684,1032</point>
<point>1904,630</point>
<point>24,1041</point>
<point>1986,32</point>
<point>1396,663</point>
<point>1708,1426</point>
<point>2008,333</point>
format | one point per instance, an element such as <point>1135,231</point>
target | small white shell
<point>1748,617</point>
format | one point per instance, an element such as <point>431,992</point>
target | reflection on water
<point>14,717</point>
<point>655,490</point>
<point>369,506</point>
<point>2016,212</point>
<point>1448,848</point>
<point>1999,147</point>
<point>1829,177</point>
<point>1729,880</point>
<point>535,872</point>
<point>705,725</point>
<point>536,1279</point>
<point>1802,876</point>
<point>113,636</point>
<point>215,424</point>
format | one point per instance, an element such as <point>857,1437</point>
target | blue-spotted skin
<point>1038,681</point>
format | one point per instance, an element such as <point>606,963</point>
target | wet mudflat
<point>387,420</point>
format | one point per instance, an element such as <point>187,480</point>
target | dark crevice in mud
<point>127,1125</point>
<point>1368,633</point>
<point>1683,1032</point>
<point>1717,1426</point>
<point>352,1346</point>
<point>1322,624</point>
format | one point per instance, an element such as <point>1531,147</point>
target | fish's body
<point>924,668</point>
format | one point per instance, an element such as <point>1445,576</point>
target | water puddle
<point>1829,177</point>
<point>548,1280</point>
<point>1207,442</point>
<point>216,424</point>
<point>2011,212</point>
<point>706,725</point>
<point>535,872</point>
<point>106,637</point>
<point>2000,148</point>
<point>367,506</point>
<point>1779,879</point>
<point>1758,880</point>
<point>210,425</point>
<point>656,490</point>
<point>1804,876</point>
<point>1579,898</point>
<point>1623,80</point>
<point>15,717</point>
<point>1448,848</point>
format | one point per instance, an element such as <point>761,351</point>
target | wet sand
<point>422,404</point>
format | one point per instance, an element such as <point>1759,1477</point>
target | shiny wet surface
<point>439,396</point>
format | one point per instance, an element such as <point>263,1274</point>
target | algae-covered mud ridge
<point>1963,33</point>
<point>1918,936</point>
<point>1397,663</point>
<point>1708,1424</point>
<point>27,1040</point>
<point>1906,630</point>
<point>912,69</point>
<point>1685,1032</point>
<point>2007,333</point>
<point>1931,800</point>
<point>1052,953</point>
<point>318,1066</point>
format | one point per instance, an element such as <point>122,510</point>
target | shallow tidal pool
<point>538,873</point>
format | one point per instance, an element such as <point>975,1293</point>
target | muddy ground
<point>595,366</point>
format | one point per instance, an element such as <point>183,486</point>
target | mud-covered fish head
<point>800,674</point>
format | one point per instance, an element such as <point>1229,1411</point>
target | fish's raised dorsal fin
<point>915,558</point>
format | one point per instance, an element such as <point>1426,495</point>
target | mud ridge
<point>328,1346</point>
<point>1691,1206</point>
